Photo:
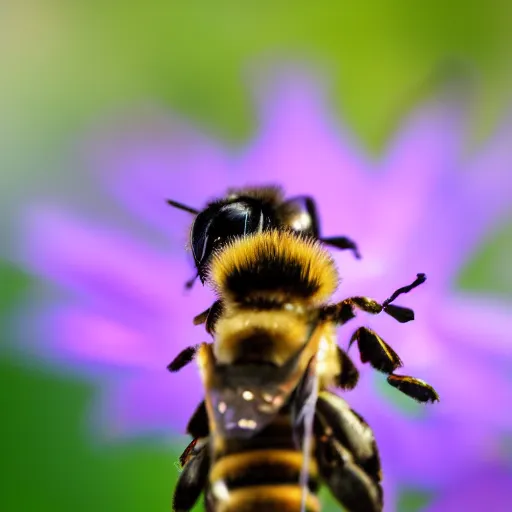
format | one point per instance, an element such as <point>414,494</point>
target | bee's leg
<point>373,349</point>
<point>337,419</point>
<point>183,358</point>
<point>383,358</point>
<point>202,317</point>
<point>348,483</point>
<point>198,424</point>
<point>210,316</point>
<point>349,374</point>
<point>195,464</point>
<point>417,389</point>
<point>347,455</point>
<point>343,311</point>
<point>342,242</point>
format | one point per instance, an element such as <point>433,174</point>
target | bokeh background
<point>67,68</point>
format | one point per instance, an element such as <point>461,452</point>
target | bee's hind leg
<point>347,455</point>
<point>195,465</point>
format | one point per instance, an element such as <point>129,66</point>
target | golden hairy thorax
<point>277,264</point>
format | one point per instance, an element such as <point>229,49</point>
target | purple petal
<point>157,402</point>
<point>466,207</point>
<point>87,336</point>
<point>488,488</point>
<point>300,146</point>
<point>147,158</point>
<point>477,323</point>
<point>426,148</point>
<point>464,380</point>
<point>488,180</point>
<point>389,486</point>
<point>110,268</point>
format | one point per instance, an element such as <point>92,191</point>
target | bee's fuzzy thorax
<point>274,264</point>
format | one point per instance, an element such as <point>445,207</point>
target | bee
<point>271,428</point>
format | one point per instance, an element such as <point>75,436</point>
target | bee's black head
<point>220,222</point>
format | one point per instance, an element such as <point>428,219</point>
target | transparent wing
<point>303,415</point>
<point>243,399</point>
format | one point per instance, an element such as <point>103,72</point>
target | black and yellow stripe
<point>261,473</point>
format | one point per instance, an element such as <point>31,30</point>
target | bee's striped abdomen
<point>261,473</point>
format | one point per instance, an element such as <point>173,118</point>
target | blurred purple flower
<point>487,489</point>
<point>424,207</point>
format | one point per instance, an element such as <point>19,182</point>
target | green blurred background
<point>63,64</point>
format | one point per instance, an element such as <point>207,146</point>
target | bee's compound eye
<point>198,235</point>
<point>215,226</point>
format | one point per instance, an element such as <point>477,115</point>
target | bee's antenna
<point>182,206</point>
<point>190,282</point>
